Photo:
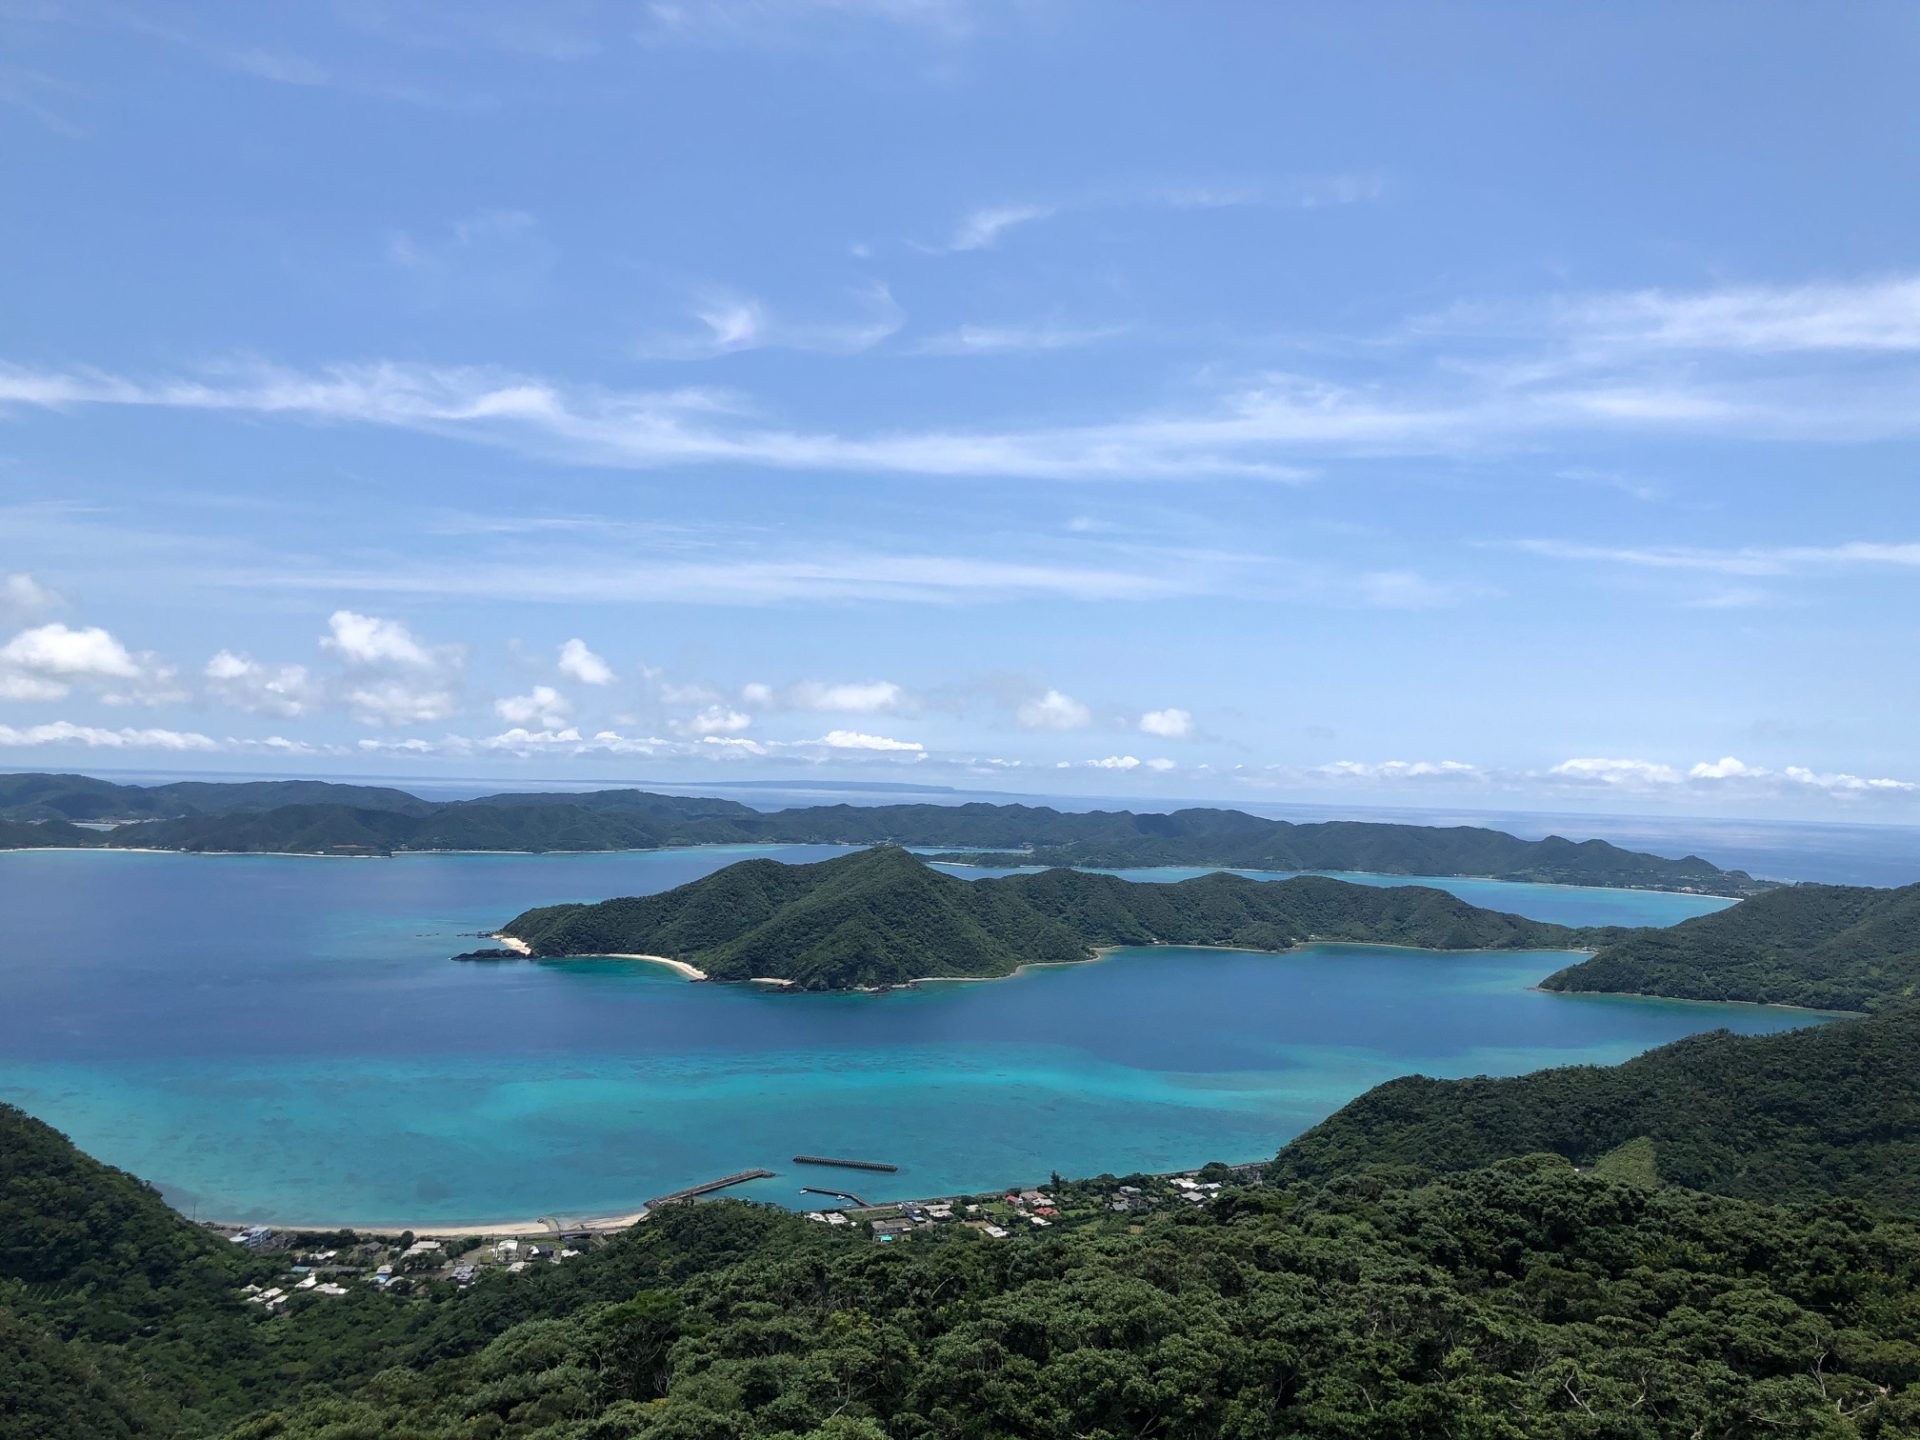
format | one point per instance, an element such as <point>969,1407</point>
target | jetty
<point>695,1191</point>
<point>845,1164</point>
<point>837,1194</point>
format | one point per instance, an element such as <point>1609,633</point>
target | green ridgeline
<point>312,816</point>
<point>882,917</point>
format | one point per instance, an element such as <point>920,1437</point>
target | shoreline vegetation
<point>39,811</point>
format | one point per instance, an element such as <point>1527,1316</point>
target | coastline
<point>1101,952</point>
<point>485,1230</point>
<point>849,845</point>
<point>1698,1000</point>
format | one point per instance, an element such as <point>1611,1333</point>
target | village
<point>324,1265</point>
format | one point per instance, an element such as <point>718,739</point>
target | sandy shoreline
<point>505,1229</point>
<point>692,972</point>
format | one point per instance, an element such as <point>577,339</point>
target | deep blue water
<point>281,1038</point>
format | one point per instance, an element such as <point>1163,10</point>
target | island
<point>309,817</point>
<point>883,917</point>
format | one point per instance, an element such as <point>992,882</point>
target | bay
<point>282,1038</point>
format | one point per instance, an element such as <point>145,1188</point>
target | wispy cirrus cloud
<point>731,321</point>
<point>1748,560</point>
<point>1876,316</point>
<point>983,228</point>
<point>1015,339</point>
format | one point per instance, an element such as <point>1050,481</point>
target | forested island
<point>882,917</point>
<point>315,817</point>
<point>1741,1264</point>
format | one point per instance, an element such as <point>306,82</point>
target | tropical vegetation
<point>883,917</point>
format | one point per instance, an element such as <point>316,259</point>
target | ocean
<point>282,1038</point>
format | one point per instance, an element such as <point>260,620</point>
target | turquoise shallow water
<point>279,1038</point>
<point>1562,904</point>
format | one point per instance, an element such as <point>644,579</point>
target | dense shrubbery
<point>1831,1111</point>
<point>880,917</point>
<point>1521,1301</point>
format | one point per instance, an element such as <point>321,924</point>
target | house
<point>995,1231</point>
<point>463,1274</point>
<point>889,1229</point>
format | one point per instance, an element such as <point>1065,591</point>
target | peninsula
<point>883,917</point>
<point>316,818</point>
<point>1825,947</point>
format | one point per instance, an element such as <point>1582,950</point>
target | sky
<point>1471,405</point>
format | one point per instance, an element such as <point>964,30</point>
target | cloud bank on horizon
<point>802,389</point>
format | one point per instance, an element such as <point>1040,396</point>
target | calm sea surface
<point>281,1038</point>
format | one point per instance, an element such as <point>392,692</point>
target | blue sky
<point>1482,405</point>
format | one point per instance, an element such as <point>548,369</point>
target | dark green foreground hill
<point>1801,1115</point>
<point>882,917</point>
<point>1826,947</point>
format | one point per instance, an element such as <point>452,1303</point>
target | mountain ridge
<point>315,817</point>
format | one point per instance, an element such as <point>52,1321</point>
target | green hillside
<point>1806,1114</point>
<point>47,834</point>
<point>1827,947</point>
<point>882,917</point>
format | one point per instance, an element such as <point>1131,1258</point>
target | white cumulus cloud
<point>543,706</point>
<point>247,684</point>
<point>854,740</point>
<point>60,653</point>
<point>22,597</point>
<point>577,662</point>
<point>1054,711</point>
<point>63,732</point>
<point>401,702</point>
<point>1116,762</point>
<point>714,721</point>
<point>1169,724</point>
<point>370,640</point>
<point>871,697</point>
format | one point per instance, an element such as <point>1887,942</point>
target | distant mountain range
<point>315,817</point>
<point>882,917</point>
